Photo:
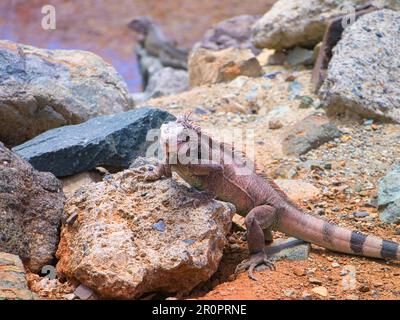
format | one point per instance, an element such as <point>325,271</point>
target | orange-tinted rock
<point>208,67</point>
<point>133,237</point>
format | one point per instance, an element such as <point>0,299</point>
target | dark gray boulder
<point>31,205</point>
<point>108,141</point>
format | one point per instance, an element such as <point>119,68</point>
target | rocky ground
<point>346,172</point>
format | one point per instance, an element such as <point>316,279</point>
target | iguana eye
<point>187,139</point>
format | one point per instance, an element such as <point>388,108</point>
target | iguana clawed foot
<point>254,261</point>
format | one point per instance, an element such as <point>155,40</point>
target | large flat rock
<point>132,237</point>
<point>291,23</point>
<point>113,141</point>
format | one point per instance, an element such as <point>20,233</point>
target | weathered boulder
<point>31,204</point>
<point>163,82</point>
<point>133,237</point>
<point>300,56</point>
<point>13,285</point>
<point>107,141</point>
<point>363,76</point>
<point>234,32</point>
<point>44,89</point>
<point>308,134</point>
<point>389,196</point>
<point>208,67</point>
<point>292,23</point>
<point>167,81</point>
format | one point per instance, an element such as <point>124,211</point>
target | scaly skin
<point>257,198</point>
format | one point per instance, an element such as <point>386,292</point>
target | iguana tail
<point>299,224</point>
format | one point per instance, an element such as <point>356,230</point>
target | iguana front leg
<point>257,220</point>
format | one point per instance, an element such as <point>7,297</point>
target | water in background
<point>100,25</point>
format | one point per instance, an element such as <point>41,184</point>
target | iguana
<point>265,206</point>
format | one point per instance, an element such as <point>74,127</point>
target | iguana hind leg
<point>257,220</point>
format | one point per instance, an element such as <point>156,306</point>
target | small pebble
<point>275,124</point>
<point>159,225</point>
<point>361,214</point>
<point>306,296</point>
<point>378,284</point>
<point>288,293</point>
<point>364,288</point>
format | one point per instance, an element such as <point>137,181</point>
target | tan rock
<point>300,272</point>
<point>320,291</point>
<point>208,67</point>
<point>275,124</point>
<point>132,237</point>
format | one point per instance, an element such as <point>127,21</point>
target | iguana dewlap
<point>258,198</point>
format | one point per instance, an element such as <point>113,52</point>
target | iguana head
<point>181,138</point>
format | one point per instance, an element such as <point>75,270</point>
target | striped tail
<point>304,226</point>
